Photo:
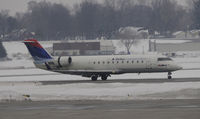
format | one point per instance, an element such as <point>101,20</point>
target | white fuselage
<point>111,64</point>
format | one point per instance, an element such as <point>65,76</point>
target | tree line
<point>90,19</point>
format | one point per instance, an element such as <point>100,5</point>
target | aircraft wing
<point>87,72</point>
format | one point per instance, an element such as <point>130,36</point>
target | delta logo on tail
<point>36,50</point>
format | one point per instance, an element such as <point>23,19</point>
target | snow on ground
<point>13,88</point>
<point>14,64</point>
<point>14,48</point>
<point>95,91</point>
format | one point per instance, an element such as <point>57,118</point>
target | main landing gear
<point>103,77</point>
<point>169,75</point>
<point>94,77</point>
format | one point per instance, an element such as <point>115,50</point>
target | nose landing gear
<point>169,75</point>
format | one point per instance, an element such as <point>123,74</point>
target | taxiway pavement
<point>82,109</point>
<point>122,81</point>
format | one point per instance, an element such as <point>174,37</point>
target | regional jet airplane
<point>99,66</point>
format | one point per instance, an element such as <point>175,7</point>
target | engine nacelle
<point>55,64</point>
<point>64,61</point>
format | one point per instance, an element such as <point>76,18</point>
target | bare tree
<point>7,23</point>
<point>128,43</point>
<point>196,14</point>
<point>165,16</point>
<point>47,20</point>
<point>2,51</point>
<point>92,19</point>
<point>128,37</point>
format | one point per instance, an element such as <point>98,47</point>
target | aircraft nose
<point>178,67</point>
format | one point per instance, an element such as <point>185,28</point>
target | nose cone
<point>174,66</point>
<point>177,67</point>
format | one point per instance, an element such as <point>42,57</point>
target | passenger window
<point>94,62</point>
<point>103,62</point>
<point>108,62</point>
<point>137,61</point>
<point>142,61</point>
<point>127,62</point>
<point>117,62</point>
<point>122,62</point>
<point>98,62</point>
<point>132,62</point>
<point>113,62</point>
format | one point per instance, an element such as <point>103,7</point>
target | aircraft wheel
<point>94,78</point>
<point>169,77</point>
<point>104,77</point>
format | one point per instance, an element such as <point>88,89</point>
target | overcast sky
<point>21,5</point>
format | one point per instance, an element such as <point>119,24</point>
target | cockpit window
<point>164,59</point>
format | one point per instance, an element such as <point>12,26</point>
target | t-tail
<point>37,52</point>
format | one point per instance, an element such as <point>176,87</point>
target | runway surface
<point>122,81</point>
<point>137,109</point>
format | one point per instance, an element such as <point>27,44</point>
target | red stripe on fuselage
<point>34,43</point>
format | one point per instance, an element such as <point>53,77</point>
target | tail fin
<point>36,50</point>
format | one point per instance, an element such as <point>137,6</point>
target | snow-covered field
<point>13,85</point>
<point>101,91</point>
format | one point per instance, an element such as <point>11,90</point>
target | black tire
<point>94,78</point>
<point>104,78</point>
<point>169,77</point>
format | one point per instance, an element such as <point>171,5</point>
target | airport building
<point>83,47</point>
<point>173,46</point>
<point>176,47</point>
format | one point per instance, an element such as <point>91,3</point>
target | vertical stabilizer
<point>36,50</point>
